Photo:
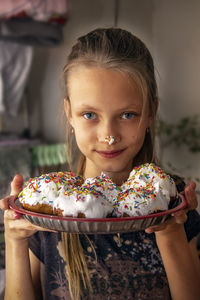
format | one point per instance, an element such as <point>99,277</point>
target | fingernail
<point>149,230</point>
<point>17,215</point>
<point>188,190</point>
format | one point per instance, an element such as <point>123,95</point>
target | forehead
<point>100,86</point>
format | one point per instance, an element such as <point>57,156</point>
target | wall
<point>137,16</point>
<point>176,30</point>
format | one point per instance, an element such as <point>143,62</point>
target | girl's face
<point>105,102</point>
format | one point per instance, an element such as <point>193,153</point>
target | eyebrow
<point>86,107</point>
<point>89,107</point>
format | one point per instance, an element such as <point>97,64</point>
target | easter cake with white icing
<point>147,190</point>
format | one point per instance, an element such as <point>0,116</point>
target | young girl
<point>110,92</point>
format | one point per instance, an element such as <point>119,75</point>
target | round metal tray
<point>97,226</point>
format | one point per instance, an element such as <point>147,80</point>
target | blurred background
<point>35,39</point>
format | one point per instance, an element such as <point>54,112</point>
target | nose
<point>108,133</point>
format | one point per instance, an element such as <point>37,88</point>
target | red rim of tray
<point>22,211</point>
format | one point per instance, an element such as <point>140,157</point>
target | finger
<point>17,215</point>
<point>155,228</point>
<point>191,184</point>
<point>4,203</point>
<point>45,229</point>
<point>10,214</point>
<point>191,196</point>
<point>160,226</point>
<point>180,217</point>
<point>27,225</point>
<point>17,184</point>
<point>20,222</point>
<point>39,228</point>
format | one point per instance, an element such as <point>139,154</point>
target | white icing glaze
<point>67,193</point>
<point>147,190</point>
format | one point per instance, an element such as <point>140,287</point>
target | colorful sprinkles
<point>110,139</point>
<point>133,194</point>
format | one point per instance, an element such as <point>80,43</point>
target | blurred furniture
<point>29,158</point>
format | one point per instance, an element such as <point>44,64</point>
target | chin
<point>116,169</point>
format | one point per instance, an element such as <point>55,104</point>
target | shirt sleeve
<point>35,245</point>
<point>192,225</point>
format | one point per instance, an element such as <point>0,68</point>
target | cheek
<point>135,129</point>
<point>81,142</point>
<point>84,129</point>
<point>83,137</point>
<point>138,137</point>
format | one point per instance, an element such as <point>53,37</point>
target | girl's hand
<point>16,228</point>
<point>190,195</point>
<point>179,217</point>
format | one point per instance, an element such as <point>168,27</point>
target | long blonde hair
<point>109,48</point>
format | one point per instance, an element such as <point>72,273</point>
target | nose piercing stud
<point>110,139</point>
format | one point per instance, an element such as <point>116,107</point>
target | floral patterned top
<point>128,265</point>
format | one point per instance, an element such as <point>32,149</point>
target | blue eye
<point>128,115</point>
<point>89,116</point>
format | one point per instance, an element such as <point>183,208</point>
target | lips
<point>110,154</point>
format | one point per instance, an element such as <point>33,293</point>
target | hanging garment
<point>15,65</point>
<point>29,32</point>
<point>46,11</point>
<point>35,23</point>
